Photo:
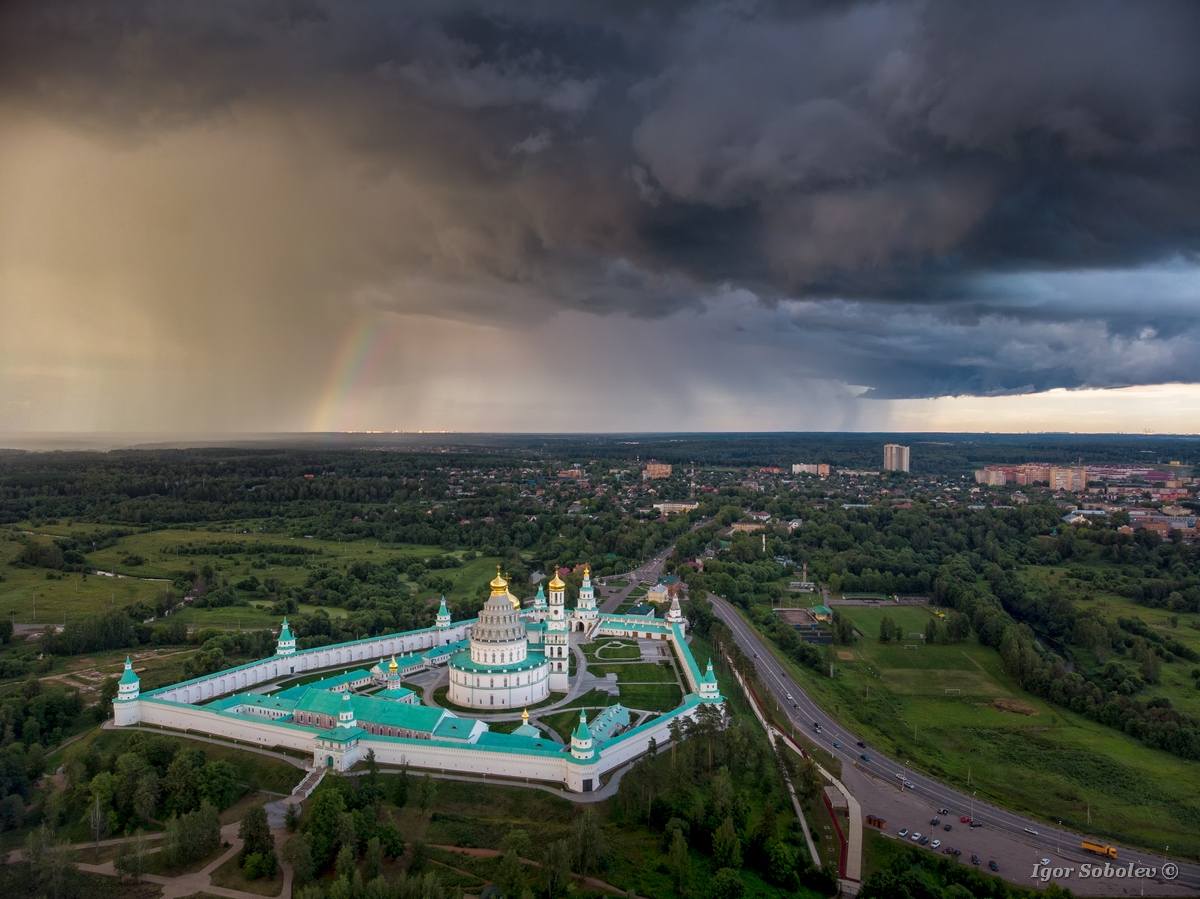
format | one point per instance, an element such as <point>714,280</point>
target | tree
<point>255,834</point>
<point>887,630</point>
<point>217,782</point>
<point>322,824</point>
<point>298,852</point>
<point>50,862</point>
<point>681,862</point>
<point>588,841</point>
<point>400,791</point>
<point>391,839</point>
<point>727,884</point>
<point>347,862</point>
<point>291,817</point>
<point>373,859</point>
<point>727,848</point>
<point>428,792</point>
<point>510,876</point>
<point>556,868</point>
<point>97,821</point>
<point>369,786</point>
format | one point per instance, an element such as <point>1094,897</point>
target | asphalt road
<point>883,778</point>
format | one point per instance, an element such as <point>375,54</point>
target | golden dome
<point>524,716</point>
<point>587,570</point>
<point>393,666</point>
<point>557,583</point>
<point>499,584</point>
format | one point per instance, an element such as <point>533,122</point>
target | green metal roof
<point>127,676</point>
<point>285,633</point>
<point>342,734</point>
<point>339,680</point>
<point>582,732</point>
<point>516,742</point>
<point>534,659</point>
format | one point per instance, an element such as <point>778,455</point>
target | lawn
<point>1020,751</point>
<point>651,697</point>
<point>637,672</point>
<point>607,650</point>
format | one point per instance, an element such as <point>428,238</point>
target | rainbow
<point>361,347</point>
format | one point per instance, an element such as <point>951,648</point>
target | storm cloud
<point>916,198</point>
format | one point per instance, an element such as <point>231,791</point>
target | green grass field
<point>912,619</point>
<point>637,672</point>
<point>1020,751</point>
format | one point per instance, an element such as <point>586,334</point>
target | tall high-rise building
<point>1072,480</point>
<point>655,471</point>
<point>895,457</point>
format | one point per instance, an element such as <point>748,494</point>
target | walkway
<point>201,881</point>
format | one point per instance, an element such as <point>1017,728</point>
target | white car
<point>789,697</point>
<point>935,844</point>
<point>916,837</point>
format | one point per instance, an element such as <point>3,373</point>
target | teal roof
<point>686,653</point>
<point>709,677</point>
<point>340,680</point>
<point>258,700</point>
<point>342,734</point>
<point>394,694</point>
<point>581,732</point>
<point>127,676</point>
<point>516,742</point>
<point>821,610</point>
<point>442,610</point>
<point>285,633</point>
<point>528,730</point>
<point>373,710</point>
<point>452,728</point>
<point>534,659</point>
<point>613,718</point>
<point>535,625</point>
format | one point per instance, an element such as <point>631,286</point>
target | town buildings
<point>656,471</point>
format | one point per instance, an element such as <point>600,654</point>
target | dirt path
<point>474,852</point>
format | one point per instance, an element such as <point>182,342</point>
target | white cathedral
<point>518,658</point>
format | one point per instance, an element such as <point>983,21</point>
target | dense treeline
<point>915,874</point>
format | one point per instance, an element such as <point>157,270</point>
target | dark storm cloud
<point>886,165</point>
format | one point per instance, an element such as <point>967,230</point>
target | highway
<point>885,776</point>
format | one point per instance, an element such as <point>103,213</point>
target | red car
<point>965,819</point>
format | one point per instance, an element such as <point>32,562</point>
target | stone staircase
<point>277,810</point>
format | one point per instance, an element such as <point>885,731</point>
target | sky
<point>246,217</point>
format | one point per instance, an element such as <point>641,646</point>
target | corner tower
<point>287,643</point>
<point>126,710</point>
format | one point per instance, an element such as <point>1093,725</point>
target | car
<point>977,824</point>
<point>817,725</point>
<point>936,843</point>
<point>862,744</point>
<point>958,852</point>
<point>974,858</point>
<point>924,840</point>
<point>865,757</point>
<point>948,827</point>
<point>1031,830</point>
<point>796,706</point>
<point>947,851</point>
<point>1045,861</point>
<point>992,864</point>
<point>903,832</point>
<point>965,819</point>
<point>935,821</point>
<point>943,811</point>
<point>910,784</point>
<point>789,697</point>
<point>818,728</point>
<point>916,837</point>
<point>837,745</point>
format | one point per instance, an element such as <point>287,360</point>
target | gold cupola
<point>557,583</point>
<point>499,584</point>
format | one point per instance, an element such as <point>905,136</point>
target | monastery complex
<point>506,659</point>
